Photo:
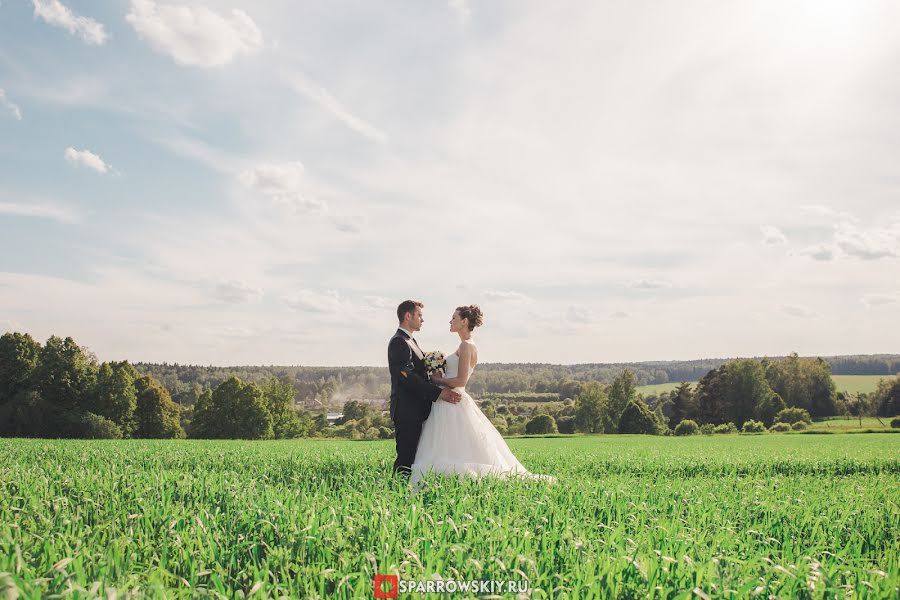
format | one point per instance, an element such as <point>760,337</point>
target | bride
<point>458,438</point>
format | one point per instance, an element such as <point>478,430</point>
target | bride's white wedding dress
<point>458,439</point>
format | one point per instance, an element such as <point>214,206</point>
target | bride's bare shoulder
<point>470,349</point>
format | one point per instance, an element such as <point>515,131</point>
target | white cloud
<point>821,252</point>
<point>348,223</point>
<point>12,107</point>
<point>237,292</point>
<point>283,183</point>
<point>194,36</point>
<point>827,213</point>
<point>88,159</point>
<point>650,284</point>
<point>772,236</point>
<point>55,213</point>
<point>580,315</point>
<point>380,302</point>
<point>318,94</point>
<point>462,9</point>
<point>867,245</point>
<point>57,14</point>
<point>875,300</point>
<point>794,310</point>
<point>329,302</point>
<point>506,295</point>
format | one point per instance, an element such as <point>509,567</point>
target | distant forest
<point>60,389</point>
<point>332,386</point>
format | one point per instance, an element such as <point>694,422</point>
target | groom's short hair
<point>407,306</point>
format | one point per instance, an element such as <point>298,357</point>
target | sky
<point>255,183</point>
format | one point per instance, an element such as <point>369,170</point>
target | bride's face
<point>457,323</point>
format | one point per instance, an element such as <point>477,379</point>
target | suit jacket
<point>411,392</point>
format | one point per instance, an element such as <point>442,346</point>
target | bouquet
<point>434,361</point>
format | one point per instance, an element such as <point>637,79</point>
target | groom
<point>411,392</point>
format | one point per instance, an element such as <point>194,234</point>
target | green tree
<point>65,374</point>
<point>590,406</point>
<point>234,410</point>
<point>19,355</point>
<point>541,424</point>
<point>887,397</point>
<point>354,410</point>
<point>96,427</point>
<point>320,424</point>
<point>22,410</point>
<point>735,392</point>
<point>710,397</point>
<point>566,424</point>
<point>156,415</point>
<point>767,408</point>
<point>622,391</point>
<point>569,388</point>
<point>204,422</point>
<point>683,403</point>
<point>286,420</point>
<point>115,396</point>
<point>803,383</point>
<point>638,418</point>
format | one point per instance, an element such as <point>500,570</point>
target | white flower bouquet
<point>434,361</point>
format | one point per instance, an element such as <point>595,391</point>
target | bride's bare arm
<point>462,375</point>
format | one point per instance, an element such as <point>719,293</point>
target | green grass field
<point>659,388</point>
<point>857,383</point>
<point>842,424</point>
<point>630,516</point>
<point>843,383</point>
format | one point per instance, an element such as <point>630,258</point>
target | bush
<point>566,424</point>
<point>385,433</point>
<point>752,426</point>
<point>541,424</point>
<point>707,429</point>
<point>895,423</point>
<point>686,427</point>
<point>779,428</point>
<point>500,424</point>
<point>726,428</point>
<point>799,426</point>
<point>95,427</point>
<point>793,415</point>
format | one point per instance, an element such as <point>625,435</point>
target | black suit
<point>411,396</point>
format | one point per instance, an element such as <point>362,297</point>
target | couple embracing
<point>438,426</point>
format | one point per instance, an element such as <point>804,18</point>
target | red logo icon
<point>380,580</point>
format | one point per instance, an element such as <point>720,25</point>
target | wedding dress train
<point>458,439</point>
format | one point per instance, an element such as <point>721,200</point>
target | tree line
<point>760,393</point>
<point>331,386</point>
<point>59,389</point>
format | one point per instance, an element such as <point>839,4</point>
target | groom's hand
<point>448,395</point>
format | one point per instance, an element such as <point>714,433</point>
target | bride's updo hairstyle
<point>472,314</point>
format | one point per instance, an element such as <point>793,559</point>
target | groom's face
<point>416,319</point>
